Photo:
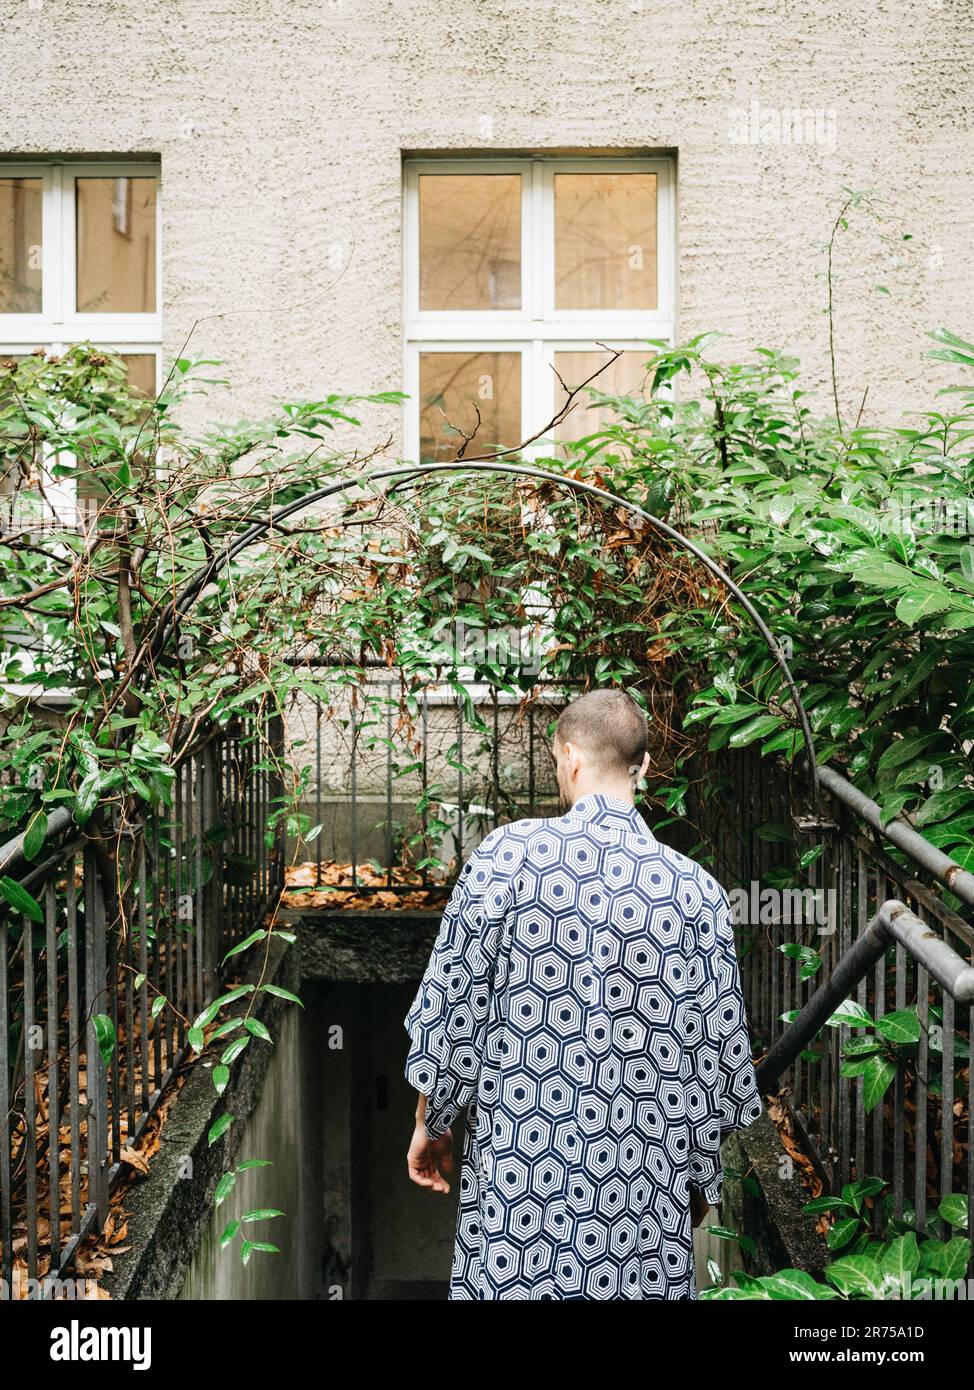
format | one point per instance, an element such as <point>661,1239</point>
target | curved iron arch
<point>188,595</point>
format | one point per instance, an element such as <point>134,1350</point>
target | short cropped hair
<point>610,727</point>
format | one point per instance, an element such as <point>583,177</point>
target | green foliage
<point>856,546</point>
<point>104,1036</point>
<point>904,1265</point>
<point>854,543</point>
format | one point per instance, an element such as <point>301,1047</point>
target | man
<point>583,1001</point>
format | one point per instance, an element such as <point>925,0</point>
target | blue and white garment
<point>583,1001</point>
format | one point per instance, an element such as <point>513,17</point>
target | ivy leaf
<point>20,899</point>
<point>204,1019</point>
<point>282,993</point>
<point>224,1187</point>
<point>229,1231</point>
<point>953,1210</point>
<point>104,1036</point>
<point>35,834</point>
<point>219,1128</point>
<point>245,944</point>
<point>227,1027</point>
<point>232,1052</point>
<point>87,798</point>
<point>900,1027</point>
<point>877,1076</point>
<point>856,1275</point>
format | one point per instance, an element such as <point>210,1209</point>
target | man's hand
<point>699,1206</point>
<point>430,1161</point>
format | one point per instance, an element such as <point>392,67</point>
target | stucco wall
<point>281,126</point>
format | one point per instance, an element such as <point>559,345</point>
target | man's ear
<point>645,767</point>
<point>572,758</point>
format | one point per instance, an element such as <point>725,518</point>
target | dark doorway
<point>384,1238</point>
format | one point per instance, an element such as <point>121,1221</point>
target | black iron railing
<point>874,914</point>
<point>402,783</point>
<point>97,996</point>
<point>407,781</point>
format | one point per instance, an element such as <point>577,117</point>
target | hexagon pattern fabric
<point>583,1001</point>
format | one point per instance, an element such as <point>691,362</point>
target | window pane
<point>453,387</point>
<point>116,246</point>
<point>470,241</point>
<point>20,246</point>
<point>626,377</point>
<point>141,371</point>
<point>9,461</point>
<point>605,241</point>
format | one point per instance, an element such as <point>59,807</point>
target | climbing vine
<point>853,541</point>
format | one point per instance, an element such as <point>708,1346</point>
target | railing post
<point>211,914</point>
<point>96,1073</point>
<point>276,799</point>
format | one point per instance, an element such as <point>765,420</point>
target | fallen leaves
<point>782,1119</point>
<point>333,885</point>
<point>134,1159</point>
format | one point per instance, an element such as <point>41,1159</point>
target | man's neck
<point>616,791</point>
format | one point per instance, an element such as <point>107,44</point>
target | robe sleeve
<point>720,1085</point>
<point>447,1020</point>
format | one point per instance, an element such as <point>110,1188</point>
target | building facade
<point>361,196</point>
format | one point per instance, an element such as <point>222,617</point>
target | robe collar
<point>611,811</point>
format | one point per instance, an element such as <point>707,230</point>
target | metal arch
<point>190,591</point>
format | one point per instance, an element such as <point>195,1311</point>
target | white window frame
<point>537,329</point>
<point>59,325</point>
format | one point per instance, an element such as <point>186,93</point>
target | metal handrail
<point>893,922</point>
<point>12,851</point>
<point>890,941</point>
<point>944,869</point>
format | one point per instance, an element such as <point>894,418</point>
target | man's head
<point>600,746</point>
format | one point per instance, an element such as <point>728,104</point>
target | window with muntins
<point>515,271</point>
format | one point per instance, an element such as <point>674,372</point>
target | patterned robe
<point>583,1001</point>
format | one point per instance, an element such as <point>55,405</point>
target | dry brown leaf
<point>134,1159</point>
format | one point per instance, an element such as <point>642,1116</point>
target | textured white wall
<point>281,126</point>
